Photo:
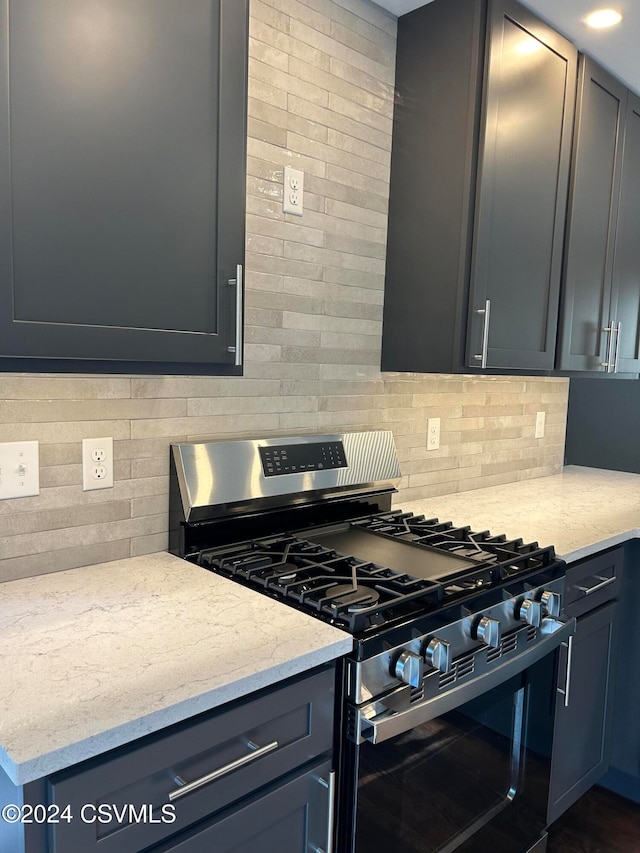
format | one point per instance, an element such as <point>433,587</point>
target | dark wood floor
<point>600,822</point>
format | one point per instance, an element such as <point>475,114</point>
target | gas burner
<point>356,597</point>
<point>283,576</point>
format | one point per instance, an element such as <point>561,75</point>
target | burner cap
<point>285,576</point>
<point>284,572</point>
<point>355,599</point>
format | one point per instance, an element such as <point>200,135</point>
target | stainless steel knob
<point>489,631</point>
<point>530,611</point>
<point>551,603</point>
<point>409,668</point>
<point>438,654</point>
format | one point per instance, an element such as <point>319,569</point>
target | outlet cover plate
<point>97,463</point>
<point>293,191</point>
<point>433,434</point>
<point>19,469</point>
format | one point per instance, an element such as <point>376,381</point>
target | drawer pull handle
<point>257,752</point>
<point>587,590</point>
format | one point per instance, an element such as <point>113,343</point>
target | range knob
<point>438,654</point>
<point>409,668</point>
<point>530,611</point>
<point>551,603</point>
<point>488,631</point>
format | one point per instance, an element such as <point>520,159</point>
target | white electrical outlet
<point>97,463</point>
<point>293,191</point>
<point>433,434</point>
<point>540,424</point>
<point>19,469</point>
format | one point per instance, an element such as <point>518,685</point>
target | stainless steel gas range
<point>446,703</point>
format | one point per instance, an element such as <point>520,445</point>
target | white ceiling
<point>617,48</point>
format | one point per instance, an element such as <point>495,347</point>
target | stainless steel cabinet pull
<point>237,283</point>
<point>330,785</point>
<point>486,311</point>
<point>587,590</point>
<point>257,752</point>
<point>616,360</point>
<point>567,680</point>
<point>611,329</point>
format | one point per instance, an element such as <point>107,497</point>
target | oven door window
<point>474,777</point>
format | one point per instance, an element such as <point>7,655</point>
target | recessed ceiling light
<point>603,18</point>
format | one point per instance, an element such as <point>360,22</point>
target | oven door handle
<point>375,723</point>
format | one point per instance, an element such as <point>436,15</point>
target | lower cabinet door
<point>582,731</point>
<point>295,817</point>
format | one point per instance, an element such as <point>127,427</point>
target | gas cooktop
<point>379,570</point>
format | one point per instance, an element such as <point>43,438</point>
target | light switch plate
<point>19,469</point>
<point>540,418</point>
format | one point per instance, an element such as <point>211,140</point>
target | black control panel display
<point>300,458</point>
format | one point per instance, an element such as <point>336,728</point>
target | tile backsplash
<point>320,99</point>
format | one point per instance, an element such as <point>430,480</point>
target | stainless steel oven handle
<point>256,752</point>
<point>376,725</point>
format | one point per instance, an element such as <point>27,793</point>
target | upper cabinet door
<point>523,169</point>
<point>485,97</point>
<point>587,341</point>
<point>626,266</point>
<point>122,180</point>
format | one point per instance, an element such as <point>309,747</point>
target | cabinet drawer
<point>250,744</point>
<point>592,582</point>
<point>290,818</point>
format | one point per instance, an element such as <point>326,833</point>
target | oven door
<point>472,778</point>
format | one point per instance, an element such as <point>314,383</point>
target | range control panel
<point>299,458</point>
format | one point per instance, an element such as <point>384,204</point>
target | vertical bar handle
<point>567,680</point>
<point>616,360</point>
<point>237,283</point>
<point>330,785</point>
<point>611,329</point>
<point>486,312</point>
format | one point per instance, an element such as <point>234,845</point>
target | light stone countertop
<point>96,657</point>
<point>580,512</point>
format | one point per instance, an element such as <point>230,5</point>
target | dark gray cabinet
<point>485,97</point>
<point>624,774</point>
<point>626,267</point>
<point>291,818</point>
<point>584,703</point>
<point>259,768</point>
<point>600,313</point>
<point>122,181</point>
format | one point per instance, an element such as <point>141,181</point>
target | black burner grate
<point>340,588</point>
<point>359,595</point>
